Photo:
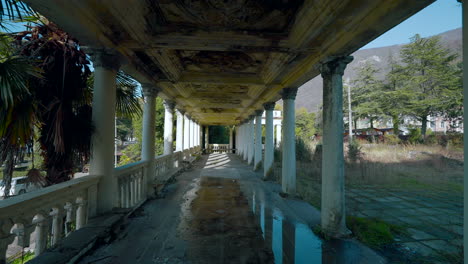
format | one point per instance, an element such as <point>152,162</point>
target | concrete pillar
<point>106,64</point>
<point>207,137</point>
<point>333,195</point>
<point>278,135</point>
<point>168,126</point>
<point>148,151</point>
<point>465,126</point>
<point>186,132</point>
<point>269,141</point>
<point>251,140</point>
<point>245,139</point>
<point>180,130</point>
<point>289,142</point>
<point>192,132</point>
<point>258,140</point>
<point>231,139</point>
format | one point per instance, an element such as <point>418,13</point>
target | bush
<point>391,139</point>
<point>431,139</point>
<point>354,151</point>
<point>303,151</point>
<point>414,136</point>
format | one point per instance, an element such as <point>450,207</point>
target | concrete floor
<point>220,211</point>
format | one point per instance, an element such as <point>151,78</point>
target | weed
<point>372,231</point>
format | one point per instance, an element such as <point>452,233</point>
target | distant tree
<point>393,98</point>
<point>432,79</point>
<point>365,92</point>
<point>305,124</point>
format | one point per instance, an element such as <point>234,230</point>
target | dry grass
<point>402,167</point>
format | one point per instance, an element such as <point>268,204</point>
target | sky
<point>441,16</point>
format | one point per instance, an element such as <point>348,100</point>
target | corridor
<point>219,211</point>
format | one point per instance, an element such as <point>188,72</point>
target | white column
<point>207,136</point>
<point>269,141</point>
<point>231,139</point>
<point>198,135</point>
<point>148,151</point>
<point>106,65</point>
<point>191,133</point>
<point>186,132</point>
<point>289,142</point>
<point>258,140</point>
<point>180,130</point>
<point>251,140</point>
<point>465,127</point>
<point>168,126</point>
<point>333,195</point>
<point>245,140</point>
<point>278,135</point>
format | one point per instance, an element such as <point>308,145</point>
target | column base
<point>258,166</point>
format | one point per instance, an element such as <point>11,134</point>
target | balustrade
<point>47,215</point>
<point>219,148</point>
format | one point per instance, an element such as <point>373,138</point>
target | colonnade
<point>248,136</point>
<point>106,65</point>
<point>249,144</point>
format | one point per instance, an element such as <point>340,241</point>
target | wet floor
<point>222,212</point>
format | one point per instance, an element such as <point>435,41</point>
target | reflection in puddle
<point>291,242</point>
<point>220,227</point>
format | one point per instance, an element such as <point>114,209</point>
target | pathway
<point>221,212</point>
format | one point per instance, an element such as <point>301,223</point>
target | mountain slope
<point>310,94</point>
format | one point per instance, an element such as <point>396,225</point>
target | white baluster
<point>6,238</point>
<point>41,233</point>
<point>69,217</point>
<point>57,224</point>
<point>80,213</point>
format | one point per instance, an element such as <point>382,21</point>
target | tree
<point>305,124</point>
<point>365,91</point>
<point>393,98</point>
<point>16,107</point>
<point>431,78</point>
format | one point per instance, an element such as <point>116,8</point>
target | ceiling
<point>222,60</point>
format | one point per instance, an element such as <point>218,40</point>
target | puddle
<point>291,242</point>
<point>220,226</point>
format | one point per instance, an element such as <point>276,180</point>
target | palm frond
<point>15,73</point>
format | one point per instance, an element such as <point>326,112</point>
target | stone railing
<point>218,148</point>
<point>48,214</point>
<point>131,184</point>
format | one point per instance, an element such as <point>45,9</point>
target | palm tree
<point>17,111</point>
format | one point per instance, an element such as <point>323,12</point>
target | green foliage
<point>303,150</point>
<point>218,135</point>
<point>426,82</point>
<point>373,232</point>
<point>431,78</point>
<point>391,139</point>
<point>365,93</point>
<point>26,257</point>
<point>354,151</point>
<point>305,124</point>
<point>414,135</point>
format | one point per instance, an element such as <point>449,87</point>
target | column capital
<point>180,111</point>
<point>169,105</point>
<point>258,112</point>
<point>104,57</point>
<point>149,90</point>
<point>269,106</point>
<point>251,118</point>
<point>335,65</point>
<point>289,93</point>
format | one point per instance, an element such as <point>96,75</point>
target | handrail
<point>42,213</point>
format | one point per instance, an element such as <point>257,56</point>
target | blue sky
<point>441,16</point>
